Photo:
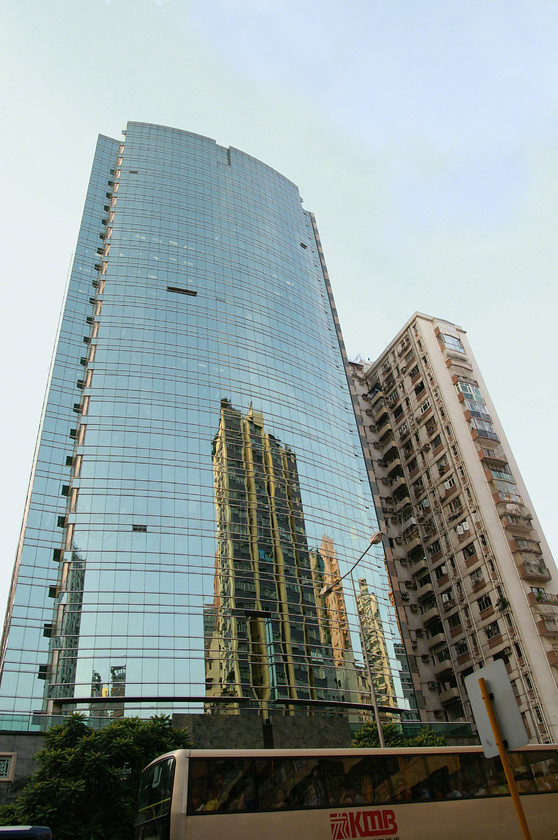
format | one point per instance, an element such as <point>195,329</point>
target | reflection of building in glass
<point>64,632</point>
<point>116,688</point>
<point>334,621</point>
<point>197,272</point>
<point>265,636</point>
<point>375,641</point>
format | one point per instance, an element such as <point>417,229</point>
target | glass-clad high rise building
<point>199,473</point>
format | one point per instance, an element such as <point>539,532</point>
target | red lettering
<point>354,820</point>
<point>389,822</point>
<point>373,821</point>
<point>353,824</point>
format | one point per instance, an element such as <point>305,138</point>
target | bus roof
<point>341,751</point>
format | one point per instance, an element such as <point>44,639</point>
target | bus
<point>430,793</point>
<point>25,832</point>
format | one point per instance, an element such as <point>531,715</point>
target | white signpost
<point>499,723</point>
<point>503,699</point>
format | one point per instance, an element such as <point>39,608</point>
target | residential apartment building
<point>196,275</point>
<point>473,577</point>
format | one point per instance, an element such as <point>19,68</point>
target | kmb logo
<point>350,824</point>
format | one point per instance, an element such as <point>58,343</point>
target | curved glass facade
<point>199,477</point>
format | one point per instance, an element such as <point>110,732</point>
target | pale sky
<point>422,133</point>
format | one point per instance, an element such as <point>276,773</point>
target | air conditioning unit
<point>431,685</point>
<point>404,596</point>
<point>403,368</point>
<point>465,526</point>
<point>399,540</point>
<point>414,608</point>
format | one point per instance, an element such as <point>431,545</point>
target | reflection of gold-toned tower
<point>262,634</point>
<point>376,647</point>
<point>334,625</point>
<point>64,643</point>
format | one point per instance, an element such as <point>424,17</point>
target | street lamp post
<point>376,538</point>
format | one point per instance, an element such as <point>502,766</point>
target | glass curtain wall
<point>199,478</point>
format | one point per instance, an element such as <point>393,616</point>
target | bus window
<point>454,776</point>
<point>495,777</point>
<point>155,791</point>
<point>308,790</point>
<point>542,770</point>
<point>522,772</point>
<point>274,782</point>
<point>409,778</point>
<point>355,781</point>
<point>221,785</point>
<point>343,778</point>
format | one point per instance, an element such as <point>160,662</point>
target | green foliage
<point>88,779</point>
<point>394,737</point>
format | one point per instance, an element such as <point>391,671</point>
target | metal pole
<point>504,759</point>
<point>368,670</point>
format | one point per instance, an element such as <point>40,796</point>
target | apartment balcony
<point>419,565</point>
<point>401,502</point>
<point>430,614</point>
<point>436,639</point>
<point>376,399</point>
<point>425,591</point>
<point>404,346</point>
<point>413,541</point>
<point>396,482</point>
<point>548,626</point>
<point>516,522</point>
<point>384,441</point>
<point>450,695</point>
<point>552,656</point>
<point>443,666</point>
<point>494,453</point>
<point>503,499</point>
<point>378,410</point>
<point>392,458</point>
<point>534,546</point>
<point>542,598</point>
<point>383,426</point>
<point>531,570</point>
<point>484,434</point>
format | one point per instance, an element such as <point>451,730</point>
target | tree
<point>394,737</point>
<point>88,779</point>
